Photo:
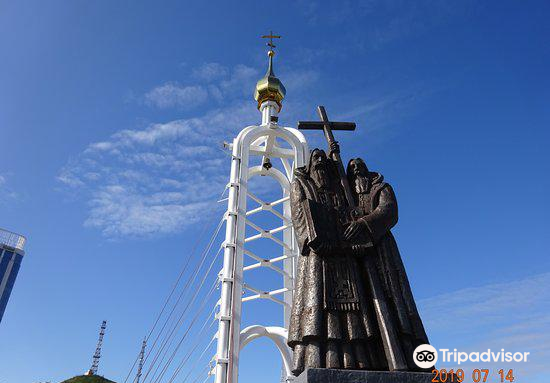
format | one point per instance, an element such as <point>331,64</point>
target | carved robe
<point>378,206</point>
<point>331,322</point>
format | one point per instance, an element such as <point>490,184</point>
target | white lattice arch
<point>258,142</point>
<point>277,334</point>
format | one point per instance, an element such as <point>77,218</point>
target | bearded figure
<point>377,210</point>
<point>331,324</point>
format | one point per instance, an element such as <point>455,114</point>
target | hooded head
<point>317,158</point>
<point>359,176</point>
<point>318,168</point>
<point>357,167</point>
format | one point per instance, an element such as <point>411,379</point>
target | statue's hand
<point>353,230</point>
<point>334,148</point>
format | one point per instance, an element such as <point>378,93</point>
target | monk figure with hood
<point>377,207</point>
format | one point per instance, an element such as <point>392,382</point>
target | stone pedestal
<point>322,375</point>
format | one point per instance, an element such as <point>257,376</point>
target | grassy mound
<point>88,379</point>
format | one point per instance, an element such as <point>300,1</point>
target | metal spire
<point>97,354</point>
<point>141,360</point>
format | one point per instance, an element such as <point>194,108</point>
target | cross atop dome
<point>270,44</point>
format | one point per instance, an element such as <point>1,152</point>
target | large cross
<point>327,127</point>
<point>271,36</point>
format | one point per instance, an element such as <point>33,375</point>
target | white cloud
<point>298,79</point>
<point>159,179</point>
<point>210,72</point>
<point>215,93</point>
<point>228,86</point>
<point>512,315</point>
<point>171,95</point>
<point>242,80</point>
<point>168,182</point>
<point>122,210</point>
<point>488,303</point>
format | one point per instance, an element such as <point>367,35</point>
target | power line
<point>194,366</point>
<point>190,281</point>
<point>184,269</point>
<point>199,238</point>
<point>169,336</point>
<point>197,343</point>
<point>202,307</point>
<point>205,370</point>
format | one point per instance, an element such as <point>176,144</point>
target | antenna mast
<point>97,354</point>
<point>141,360</point>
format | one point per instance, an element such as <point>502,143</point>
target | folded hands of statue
<point>353,230</point>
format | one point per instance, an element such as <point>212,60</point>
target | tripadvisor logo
<point>425,356</point>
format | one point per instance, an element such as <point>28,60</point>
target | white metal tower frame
<point>257,142</point>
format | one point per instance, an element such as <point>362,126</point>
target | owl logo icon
<point>425,356</point>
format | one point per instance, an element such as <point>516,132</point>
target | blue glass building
<point>11,255</point>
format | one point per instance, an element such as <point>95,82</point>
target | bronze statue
<point>353,307</point>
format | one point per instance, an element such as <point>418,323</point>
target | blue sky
<point>108,109</point>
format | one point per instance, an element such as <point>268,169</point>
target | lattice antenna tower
<point>97,354</point>
<point>141,360</point>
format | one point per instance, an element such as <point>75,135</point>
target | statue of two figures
<point>353,307</point>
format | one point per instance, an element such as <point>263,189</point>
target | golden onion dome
<point>269,87</point>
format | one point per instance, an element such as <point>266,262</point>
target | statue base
<point>324,375</point>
